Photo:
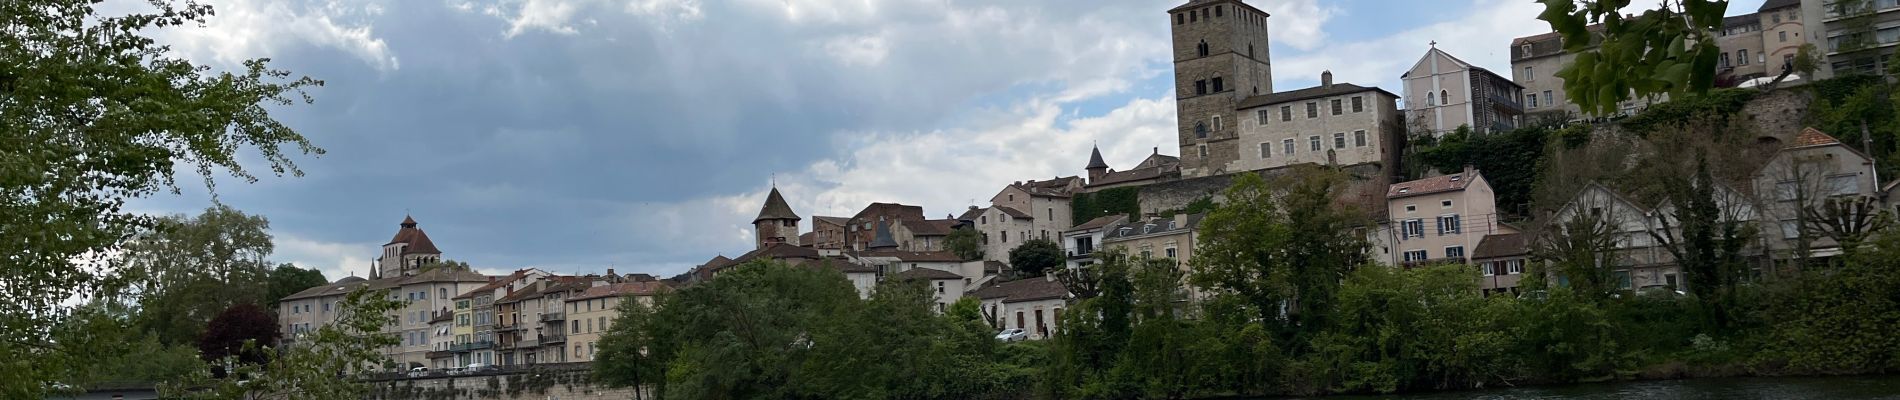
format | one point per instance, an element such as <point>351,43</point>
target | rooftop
<point>1316,92</point>
<point>1436,184</point>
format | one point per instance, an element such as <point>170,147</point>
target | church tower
<point>1220,60</point>
<point>776,222</point>
<point>406,253</point>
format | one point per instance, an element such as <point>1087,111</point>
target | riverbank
<point>1793,388</point>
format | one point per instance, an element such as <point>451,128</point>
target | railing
<point>555,338</point>
<point>1506,102</point>
<point>553,316</point>
<point>440,354</point>
<point>472,346</point>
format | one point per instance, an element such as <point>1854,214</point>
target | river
<point>1831,388</point>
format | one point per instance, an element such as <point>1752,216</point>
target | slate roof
<point>620,289</point>
<point>926,274</point>
<point>1436,184</point>
<point>1777,4</point>
<point>775,208</point>
<point>494,284</point>
<point>1014,213</point>
<point>521,294</point>
<point>882,237</point>
<point>1021,290</point>
<point>1142,174</point>
<point>1163,226</point>
<point>1098,222</point>
<point>1322,91</point>
<point>1741,20</point>
<point>913,256</point>
<point>806,239</point>
<point>1095,159</point>
<point>934,227</point>
<point>417,240</point>
<point>898,211</point>
<point>1505,245</point>
<point>839,221</point>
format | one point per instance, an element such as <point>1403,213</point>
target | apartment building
<point>1442,218</point>
<point>1082,242</point>
<point>590,313</point>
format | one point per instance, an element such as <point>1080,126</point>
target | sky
<point>642,135</point>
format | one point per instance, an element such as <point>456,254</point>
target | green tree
<point>118,352</point>
<point>95,112</point>
<point>325,364</point>
<point>966,242</point>
<point>188,269</point>
<point>287,279</point>
<point>1669,50</point>
<point>1283,248</point>
<point>1036,257</point>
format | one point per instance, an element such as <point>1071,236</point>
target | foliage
<point>189,269</point>
<point>966,242</point>
<point>95,112</point>
<point>287,279</point>
<point>1510,161</point>
<point>1807,60</point>
<point>1856,107</point>
<point>229,334</point>
<point>1669,51</point>
<point>1426,328</point>
<point>1706,241</point>
<point>1036,257</point>
<point>1843,320</point>
<point>1113,201</point>
<point>117,353</point>
<point>1282,247</point>
<point>325,364</point>
<point>1717,105</point>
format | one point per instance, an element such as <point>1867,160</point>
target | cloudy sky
<point>642,135</point>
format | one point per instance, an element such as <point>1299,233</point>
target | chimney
<point>1157,150</point>
<point>1326,79</point>
<point>1180,220</point>
<point>610,272</point>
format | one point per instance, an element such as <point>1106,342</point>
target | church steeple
<point>1096,167</point>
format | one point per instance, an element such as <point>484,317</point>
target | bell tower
<point>1220,59</point>
<point>776,222</point>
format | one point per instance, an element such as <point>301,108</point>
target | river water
<point>1844,388</point>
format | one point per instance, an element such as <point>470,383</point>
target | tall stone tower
<point>1220,59</point>
<point>776,222</point>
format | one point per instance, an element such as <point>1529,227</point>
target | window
<point>1622,279</point>
<point>1455,252</point>
<point>1288,144</point>
<point>1429,100</point>
<point>1200,130</point>
<point>1218,85</point>
<point>603,323</point>
<point>1724,62</point>
<point>1411,208</point>
<point>1786,191</point>
<point>1266,150</point>
<point>1217,123</point>
<point>1337,108</point>
<point>1170,252</point>
<point>577,327</point>
<point>1217,11</point>
<point>1005,236</point>
<point>1412,228</point>
<point>1339,140</point>
<point>1550,98</point>
<point>1776,17</point>
<point>1444,97</point>
<point>1528,76</point>
<point>1359,138</point>
<point>1526,49</point>
<point>1842,185</point>
<point>1286,113</point>
<point>1358,104</point>
<point>1415,255</point>
<point>1741,56</point>
<point>1783,34</point>
<point>1200,87</point>
<point>1790,229</point>
<point>442,293</point>
<point>1313,142</point>
<point>1488,269</point>
<point>1202,48</point>
<point>1530,100</point>
<point>1514,267</point>
<point>1261,114</point>
<point>1180,19</point>
<point>1312,110</point>
<point>1448,224</point>
<point>1202,149</point>
<point>1445,204</point>
<point>1052,215</point>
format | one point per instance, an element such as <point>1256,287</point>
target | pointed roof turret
<point>775,208</point>
<point>417,240</point>
<point>1095,159</point>
<point>883,239</point>
<point>408,221</point>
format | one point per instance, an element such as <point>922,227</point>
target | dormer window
<point>1455,178</point>
<point>1124,231</point>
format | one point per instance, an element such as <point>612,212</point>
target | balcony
<point>441,354</point>
<point>1082,254</point>
<point>554,317</point>
<point>1506,103</point>
<point>472,346</point>
<point>554,338</point>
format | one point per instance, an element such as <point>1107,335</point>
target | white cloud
<point>1299,23</point>
<point>335,260</point>
<point>1481,37</point>
<point>547,15</point>
<point>861,51</point>
<point>245,29</point>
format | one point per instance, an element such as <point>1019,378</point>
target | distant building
<point>591,312</point>
<point>1782,35</point>
<point>1443,93</point>
<point>1500,259</point>
<point>1221,57</point>
<point>1441,219</point>
<point>1155,168</point>
<point>776,222</point>
<point>1082,242</point>
<point>1031,304</point>
<point>1742,55</point>
<point>1808,174</point>
<point>407,252</point>
<point>1330,124</point>
<point>1157,238</point>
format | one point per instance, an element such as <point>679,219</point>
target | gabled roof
<point>1020,290</point>
<point>775,208</point>
<point>912,256</point>
<point>1322,91</point>
<point>1428,55</point>
<point>1504,245</point>
<point>778,251</point>
<point>1813,137</point>
<point>926,274</point>
<point>839,221</point>
<point>1058,187</point>
<point>1432,185</point>
<point>1140,228</point>
<point>972,213</point>
<point>895,210</point>
<point>621,289</point>
<point>443,274</point>
<point>494,284</point>
<point>1014,213</point>
<point>934,227</point>
<point>1099,222</point>
<point>1141,174</point>
<point>525,293</point>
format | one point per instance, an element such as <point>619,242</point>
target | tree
<point>287,279</point>
<point>1036,257</point>
<point>1807,60</point>
<point>95,112</point>
<point>238,333</point>
<point>188,269</point>
<point>966,242</point>
<point>325,364</point>
<point>1283,248</point>
<point>1670,50</point>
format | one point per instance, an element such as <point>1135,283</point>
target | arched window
<point>1200,130</point>
<point>1203,48</point>
<point>1444,97</point>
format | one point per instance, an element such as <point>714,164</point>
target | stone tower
<point>776,222</point>
<point>1220,59</point>
<point>1096,167</point>
<point>406,253</point>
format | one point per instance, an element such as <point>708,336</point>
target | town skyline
<point>520,174</point>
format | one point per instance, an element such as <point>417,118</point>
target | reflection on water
<point>1844,388</point>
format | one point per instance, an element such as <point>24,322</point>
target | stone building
<point>407,252</point>
<point>1330,124</point>
<point>1157,238</point>
<point>861,229</point>
<point>776,222</point>
<point>1156,168</point>
<point>1809,173</point>
<point>1782,34</point>
<point>1002,228</point>
<point>1443,93</point>
<point>1046,202</point>
<point>1031,304</point>
<point>828,232</point>
<point>1221,57</point>
<point>1742,56</point>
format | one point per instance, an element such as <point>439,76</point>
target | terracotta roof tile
<point>1436,184</point>
<point>1099,222</point>
<point>1020,290</point>
<point>620,289</point>
<point>913,256</point>
<point>1813,137</point>
<point>1505,245</point>
<point>926,274</point>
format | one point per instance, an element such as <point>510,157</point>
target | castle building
<point>1221,57</point>
<point>776,222</point>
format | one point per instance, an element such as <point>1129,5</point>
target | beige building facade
<point>591,313</point>
<point>1442,219</point>
<point>1329,124</point>
<point>1443,93</point>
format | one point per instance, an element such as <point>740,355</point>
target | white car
<point>1012,335</point>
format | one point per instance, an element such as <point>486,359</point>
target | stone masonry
<point>572,381</point>
<point>1220,57</point>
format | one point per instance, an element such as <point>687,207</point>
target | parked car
<point>418,371</point>
<point>1012,335</point>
